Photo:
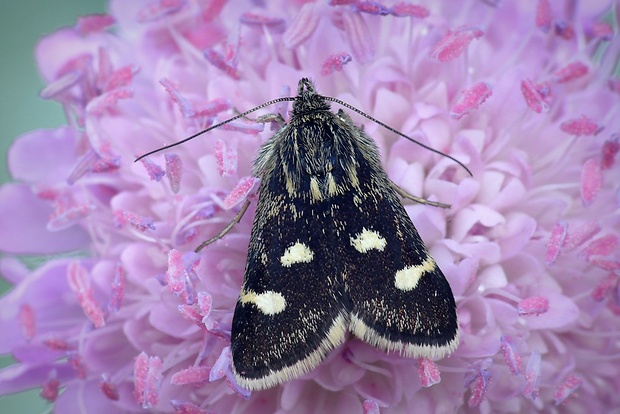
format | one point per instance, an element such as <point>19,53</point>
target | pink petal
<point>603,30</point>
<point>221,365</point>
<point>511,355</point>
<point>241,191</point>
<point>543,15</point>
<point>302,27</point>
<point>591,181</point>
<point>94,23</point>
<point>175,275</point>
<point>187,408</point>
<point>455,42</point>
<point>226,157</point>
<point>117,288</point>
<point>580,235</point>
<point>174,171</point>
<point>605,287</point>
<point>50,390</point>
<point>581,126</point>
<point>120,78</point>
<point>470,99</point>
<point>571,72</point>
<point>108,388</point>
<point>157,9</point>
<point>155,172</point>
<point>192,375</point>
<point>534,305</point>
<point>428,373</point>
<point>107,101</point>
<point>272,23</point>
<point>409,10</point>
<point>537,96</point>
<point>532,376</point>
<point>610,149</point>
<point>27,320</point>
<point>358,37</point>
<point>566,389</point>
<point>44,155</point>
<point>79,281</point>
<point>562,311</point>
<point>335,62</point>
<point>371,407</point>
<point>147,376</point>
<point>23,219</point>
<point>556,241</point>
<point>218,60</point>
<point>371,7</point>
<point>564,29</point>
<point>603,246</point>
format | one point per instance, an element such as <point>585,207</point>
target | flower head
<point>123,316</point>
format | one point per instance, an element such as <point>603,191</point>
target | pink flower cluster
<point>122,316</point>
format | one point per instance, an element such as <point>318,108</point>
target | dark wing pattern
<point>332,249</point>
<point>290,313</point>
<point>400,299</point>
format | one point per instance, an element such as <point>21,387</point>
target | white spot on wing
<point>408,278</point>
<point>368,240</point>
<point>269,302</point>
<point>297,253</point>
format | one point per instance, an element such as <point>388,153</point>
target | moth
<point>332,251</point>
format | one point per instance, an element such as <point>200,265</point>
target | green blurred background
<point>21,110</point>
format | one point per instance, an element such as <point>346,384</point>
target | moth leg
<point>404,194</point>
<point>271,118</point>
<point>226,229</point>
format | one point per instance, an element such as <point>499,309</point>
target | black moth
<point>332,251</point>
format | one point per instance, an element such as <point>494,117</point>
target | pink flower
<point>123,316</point>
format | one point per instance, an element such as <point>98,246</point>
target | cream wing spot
<point>407,279</point>
<point>269,302</point>
<point>297,253</point>
<point>368,240</point>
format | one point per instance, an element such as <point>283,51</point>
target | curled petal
<point>302,27</point>
<point>358,37</point>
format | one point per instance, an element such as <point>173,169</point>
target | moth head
<point>307,100</point>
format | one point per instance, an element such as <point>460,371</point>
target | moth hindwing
<point>332,250</point>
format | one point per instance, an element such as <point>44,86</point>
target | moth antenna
<point>394,130</point>
<point>234,118</point>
